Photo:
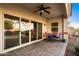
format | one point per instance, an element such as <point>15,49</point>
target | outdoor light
<point>42,11</point>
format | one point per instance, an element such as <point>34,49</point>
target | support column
<point>29,30</point>
<point>1,32</point>
<point>62,27</point>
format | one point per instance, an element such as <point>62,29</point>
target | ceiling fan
<point>42,9</point>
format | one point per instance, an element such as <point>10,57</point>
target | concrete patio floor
<point>42,48</point>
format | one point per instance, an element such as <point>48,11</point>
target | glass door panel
<point>24,31</point>
<point>33,31</point>
<point>11,31</point>
<point>39,30</point>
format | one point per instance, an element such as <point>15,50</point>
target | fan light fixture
<point>42,11</point>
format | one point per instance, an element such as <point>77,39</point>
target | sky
<point>74,19</point>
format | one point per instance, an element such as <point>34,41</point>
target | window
<point>54,27</point>
<point>11,31</point>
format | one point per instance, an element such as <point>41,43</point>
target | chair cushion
<point>52,36</point>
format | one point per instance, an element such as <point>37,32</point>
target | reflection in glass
<point>24,31</point>
<point>33,31</point>
<point>11,31</point>
<point>39,30</point>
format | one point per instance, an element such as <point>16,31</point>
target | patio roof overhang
<point>57,9</point>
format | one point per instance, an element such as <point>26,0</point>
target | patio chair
<point>51,36</point>
<point>56,34</point>
<point>46,34</point>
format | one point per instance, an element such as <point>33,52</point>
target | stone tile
<point>42,48</point>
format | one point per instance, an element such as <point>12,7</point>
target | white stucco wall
<point>59,21</point>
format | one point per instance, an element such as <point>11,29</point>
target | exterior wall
<point>53,20</point>
<point>17,10</point>
<point>59,20</point>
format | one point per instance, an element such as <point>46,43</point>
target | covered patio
<point>25,29</point>
<point>42,48</point>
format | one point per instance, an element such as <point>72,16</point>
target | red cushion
<point>55,33</point>
<point>46,33</point>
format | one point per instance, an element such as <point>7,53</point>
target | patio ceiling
<point>57,9</point>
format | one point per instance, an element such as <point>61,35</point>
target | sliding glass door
<point>11,31</point>
<point>16,31</point>
<point>24,31</point>
<point>36,31</point>
<point>39,30</point>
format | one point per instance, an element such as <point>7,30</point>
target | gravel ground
<point>70,47</point>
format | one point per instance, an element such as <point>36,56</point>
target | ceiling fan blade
<point>47,8</point>
<point>47,11</point>
<point>38,6</point>
<point>42,5</point>
<point>36,10</point>
<point>40,13</point>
